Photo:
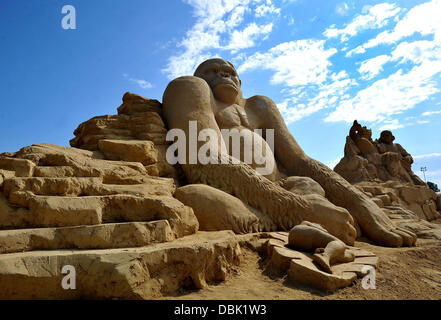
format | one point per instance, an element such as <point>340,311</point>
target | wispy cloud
<point>342,9</point>
<point>391,125</point>
<point>264,9</point>
<point>430,113</point>
<point>297,66</point>
<point>401,90</point>
<point>215,21</point>
<point>304,70</point>
<point>376,17</point>
<point>144,84</point>
<point>291,20</point>
<point>391,95</point>
<point>428,155</point>
<point>246,37</point>
<point>371,67</point>
<point>294,63</point>
<point>205,33</point>
<point>423,19</point>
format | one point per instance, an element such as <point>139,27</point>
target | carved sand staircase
<point>106,206</point>
<point>112,192</point>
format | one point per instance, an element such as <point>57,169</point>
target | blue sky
<point>324,63</point>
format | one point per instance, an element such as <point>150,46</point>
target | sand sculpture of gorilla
<point>213,98</point>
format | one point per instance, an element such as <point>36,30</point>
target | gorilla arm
<point>191,99</point>
<point>372,220</point>
<point>406,155</point>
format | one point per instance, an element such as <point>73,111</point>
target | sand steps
<point>85,186</point>
<point>131,273</point>
<point>103,236</point>
<point>53,211</point>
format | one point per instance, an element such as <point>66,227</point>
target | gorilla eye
<point>230,71</point>
<point>210,70</point>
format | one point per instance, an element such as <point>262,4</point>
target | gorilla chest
<point>231,117</point>
<point>383,147</point>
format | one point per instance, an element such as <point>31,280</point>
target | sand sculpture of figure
<point>328,249</point>
<point>379,160</point>
<point>213,98</point>
<point>394,154</point>
<point>362,136</point>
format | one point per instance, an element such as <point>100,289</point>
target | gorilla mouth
<point>224,83</point>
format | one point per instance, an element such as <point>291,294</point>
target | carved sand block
<point>21,167</point>
<point>72,187</point>
<point>103,236</point>
<point>129,150</point>
<point>300,266</point>
<point>306,272</point>
<point>86,187</point>
<point>127,273</point>
<point>44,211</point>
<point>4,175</point>
<point>137,133</point>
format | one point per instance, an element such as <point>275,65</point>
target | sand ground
<point>403,273</point>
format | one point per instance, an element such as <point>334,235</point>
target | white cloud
<point>392,95</point>
<point>293,111</point>
<point>215,20</point>
<point>326,96</point>
<point>211,21</point>
<point>372,67</point>
<point>401,90</point>
<point>236,16</point>
<point>428,155</point>
<point>391,125</point>
<point>245,38</point>
<point>303,67</point>
<point>342,9</point>
<point>423,19</point>
<point>295,63</point>
<point>337,76</point>
<point>429,113</point>
<point>265,9</point>
<point>301,104</point>
<point>290,20</point>
<point>416,51</point>
<point>376,17</point>
<point>357,50</point>
<point>140,82</point>
<point>212,10</point>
